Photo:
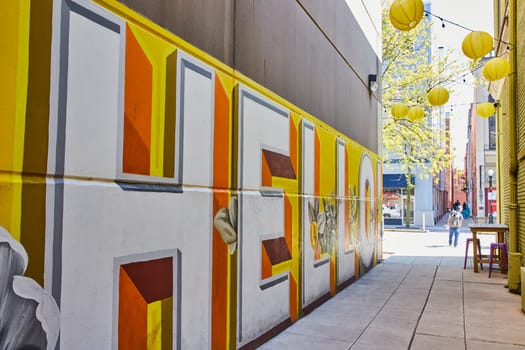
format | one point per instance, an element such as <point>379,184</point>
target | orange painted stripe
<point>266,176</point>
<point>294,306</point>
<point>220,254</point>
<point>266,264</point>
<point>137,108</point>
<point>317,252</point>
<point>221,145</point>
<point>133,315</point>
<point>219,287</point>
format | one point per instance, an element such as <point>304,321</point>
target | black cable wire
<point>444,20</point>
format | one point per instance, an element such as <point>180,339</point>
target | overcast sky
<point>475,15</point>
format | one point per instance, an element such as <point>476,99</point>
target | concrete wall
<point>166,199</point>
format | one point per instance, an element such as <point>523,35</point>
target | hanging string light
<point>406,14</point>
<point>444,20</point>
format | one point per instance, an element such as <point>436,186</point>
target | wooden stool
<point>469,240</point>
<point>501,257</point>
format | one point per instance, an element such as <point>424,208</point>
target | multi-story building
<point>509,94</point>
<point>481,156</point>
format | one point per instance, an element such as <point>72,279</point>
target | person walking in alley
<point>455,220</point>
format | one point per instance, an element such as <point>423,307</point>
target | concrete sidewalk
<point>419,297</point>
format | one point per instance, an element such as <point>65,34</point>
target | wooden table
<point>495,229</point>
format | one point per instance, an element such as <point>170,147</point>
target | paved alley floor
<point>419,297</point>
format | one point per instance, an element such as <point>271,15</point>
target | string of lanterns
<point>406,15</point>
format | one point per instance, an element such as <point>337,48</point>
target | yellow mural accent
<point>354,157</point>
<point>159,326</point>
<point>157,51</point>
<point>14,62</point>
<point>155,325</point>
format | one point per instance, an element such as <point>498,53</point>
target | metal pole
<point>452,185</point>
<point>491,219</point>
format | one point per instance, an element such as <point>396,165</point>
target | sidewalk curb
<point>406,230</point>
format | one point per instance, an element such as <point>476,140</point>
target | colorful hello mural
<point>164,199</point>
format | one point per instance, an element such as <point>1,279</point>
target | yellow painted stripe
<point>14,60</point>
<point>157,51</point>
<point>21,87</point>
<point>167,323</point>
<point>10,203</point>
<point>155,325</point>
<point>9,19</point>
<point>281,267</point>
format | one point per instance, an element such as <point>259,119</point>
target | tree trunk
<point>407,198</point>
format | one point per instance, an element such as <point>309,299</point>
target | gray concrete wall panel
<point>207,24</point>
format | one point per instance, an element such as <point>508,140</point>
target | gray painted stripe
<point>273,282</point>
<point>321,262</point>
<point>56,284</point>
<point>95,17</point>
<point>145,187</point>
<point>253,97</point>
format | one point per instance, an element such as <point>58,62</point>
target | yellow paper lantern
<point>496,69</point>
<point>485,109</point>
<point>415,113</point>
<point>438,96</point>
<point>477,44</point>
<point>406,14</point>
<point>399,110</point>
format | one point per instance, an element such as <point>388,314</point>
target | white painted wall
<point>262,125</point>
<point>316,273</point>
